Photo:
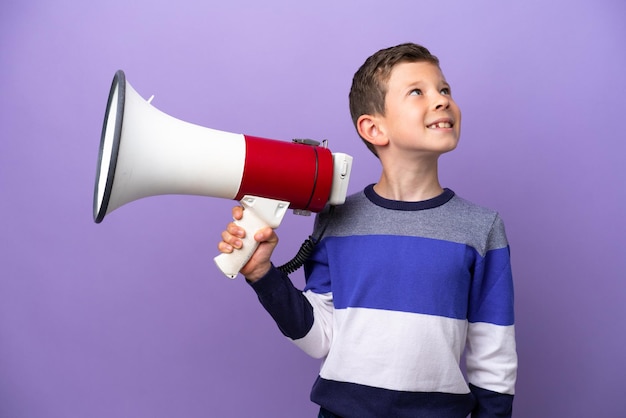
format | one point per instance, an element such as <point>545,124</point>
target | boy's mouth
<point>441,124</point>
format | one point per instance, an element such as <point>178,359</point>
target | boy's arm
<point>491,353</point>
<point>491,367</point>
<point>491,404</point>
<point>289,307</point>
<point>303,317</point>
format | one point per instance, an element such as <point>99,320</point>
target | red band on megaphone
<point>297,173</point>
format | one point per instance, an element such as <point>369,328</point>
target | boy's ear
<point>369,127</point>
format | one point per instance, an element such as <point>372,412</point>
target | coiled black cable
<point>306,249</point>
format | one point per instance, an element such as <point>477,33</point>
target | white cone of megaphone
<point>145,152</point>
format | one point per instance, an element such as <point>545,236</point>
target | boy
<point>408,276</point>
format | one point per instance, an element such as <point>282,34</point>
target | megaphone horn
<point>145,152</point>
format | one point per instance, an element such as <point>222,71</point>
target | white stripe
<point>396,350</point>
<point>492,357</point>
<point>317,342</point>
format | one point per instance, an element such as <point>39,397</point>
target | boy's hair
<point>369,85</point>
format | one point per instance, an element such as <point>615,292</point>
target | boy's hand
<point>259,264</point>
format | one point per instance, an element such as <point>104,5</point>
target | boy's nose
<point>442,102</point>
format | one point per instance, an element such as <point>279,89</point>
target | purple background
<point>131,318</point>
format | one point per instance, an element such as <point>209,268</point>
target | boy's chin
<point>446,148</point>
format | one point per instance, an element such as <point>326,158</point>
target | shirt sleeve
<point>303,317</point>
<point>287,305</point>
<point>491,356</point>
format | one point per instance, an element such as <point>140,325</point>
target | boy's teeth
<point>441,125</point>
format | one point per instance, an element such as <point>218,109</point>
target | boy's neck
<point>410,184</point>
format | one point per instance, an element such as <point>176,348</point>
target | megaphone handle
<point>258,213</point>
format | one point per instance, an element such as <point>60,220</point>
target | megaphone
<point>145,152</point>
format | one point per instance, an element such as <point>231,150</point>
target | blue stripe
<point>407,274</point>
<point>413,274</point>
<point>491,297</point>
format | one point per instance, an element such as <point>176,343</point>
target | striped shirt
<point>397,295</point>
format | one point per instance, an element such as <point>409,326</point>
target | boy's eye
<point>415,92</point>
<point>446,91</point>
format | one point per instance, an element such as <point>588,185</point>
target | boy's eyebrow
<point>415,83</point>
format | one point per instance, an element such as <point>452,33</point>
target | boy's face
<point>420,115</point>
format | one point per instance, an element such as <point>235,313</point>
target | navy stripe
<point>491,404</point>
<point>354,400</point>
<point>435,202</point>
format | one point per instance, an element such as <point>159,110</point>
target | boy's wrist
<point>266,285</point>
<point>258,273</point>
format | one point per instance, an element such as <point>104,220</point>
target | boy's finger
<point>237,212</point>
<point>264,234</point>
<point>224,247</point>
<point>235,230</point>
<point>231,240</point>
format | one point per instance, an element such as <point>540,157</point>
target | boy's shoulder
<point>467,208</point>
<point>480,226</point>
